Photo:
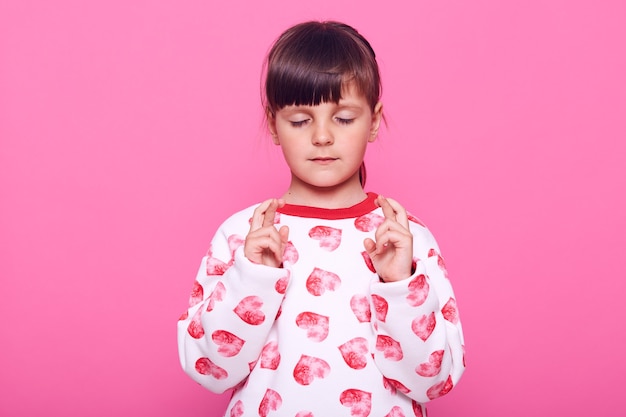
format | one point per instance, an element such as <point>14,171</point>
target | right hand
<point>264,244</point>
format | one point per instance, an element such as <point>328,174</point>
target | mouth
<point>324,159</point>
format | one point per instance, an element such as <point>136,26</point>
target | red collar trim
<point>364,207</point>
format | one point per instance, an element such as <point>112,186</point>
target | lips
<point>323,159</point>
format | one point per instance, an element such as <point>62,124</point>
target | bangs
<point>304,86</point>
<point>314,66</point>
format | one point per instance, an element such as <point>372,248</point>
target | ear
<point>271,125</point>
<point>377,116</point>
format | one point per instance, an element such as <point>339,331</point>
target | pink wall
<point>130,129</point>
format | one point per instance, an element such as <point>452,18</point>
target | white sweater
<point>322,336</point>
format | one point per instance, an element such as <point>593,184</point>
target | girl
<point>329,301</point>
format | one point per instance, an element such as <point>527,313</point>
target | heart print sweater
<point>322,336</point>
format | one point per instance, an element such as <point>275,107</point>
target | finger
<point>401,214</point>
<point>264,247</point>
<point>370,246</point>
<point>392,234</point>
<point>273,246</point>
<point>386,226</point>
<point>277,246</point>
<point>284,234</point>
<point>270,213</point>
<point>396,238</point>
<point>259,214</point>
<point>388,210</point>
<point>269,232</point>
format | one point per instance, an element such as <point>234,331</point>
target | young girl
<point>329,301</point>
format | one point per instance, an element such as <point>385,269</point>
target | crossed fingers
<point>392,251</point>
<point>264,244</point>
<point>395,228</point>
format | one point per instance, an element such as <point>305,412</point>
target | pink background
<point>130,129</point>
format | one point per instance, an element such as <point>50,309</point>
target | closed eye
<point>298,123</point>
<point>344,121</point>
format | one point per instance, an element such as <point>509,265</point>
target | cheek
<point>359,142</point>
<point>289,152</point>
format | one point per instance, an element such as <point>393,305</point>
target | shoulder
<point>231,234</point>
<point>424,240</point>
<point>240,219</point>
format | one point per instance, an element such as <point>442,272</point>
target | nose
<point>322,135</point>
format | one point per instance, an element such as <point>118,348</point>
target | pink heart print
<point>440,389</point>
<point>195,328</point>
<point>234,242</point>
<point>391,348</point>
<point>368,222</point>
<point>433,366</point>
<point>395,412</point>
<point>271,402</point>
<point>304,414</point>
<point>249,310</point>
<point>204,366</point>
<point>290,255</point>
<point>320,281</point>
<point>228,344</point>
<point>308,368</point>
<point>450,311</point>
<point>360,402</point>
<point>418,291</point>
<point>392,385</point>
<point>417,409</point>
<point>237,410</point>
<point>440,262</point>
<point>316,325</point>
<point>361,308</point>
<point>380,307</point>
<point>329,238</point>
<point>216,295</point>
<point>415,220</point>
<point>281,285</point>
<point>354,352</point>
<point>423,326</point>
<point>368,261</point>
<point>197,294</point>
<point>215,266</point>
<point>270,356</point>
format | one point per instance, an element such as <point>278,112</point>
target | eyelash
<point>341,121</point>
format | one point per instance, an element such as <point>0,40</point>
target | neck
<point>340,196</point>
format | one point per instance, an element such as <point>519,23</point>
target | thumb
<point>284,234</point>
<point>369,245</point>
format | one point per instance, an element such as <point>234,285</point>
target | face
<point>324,145</point>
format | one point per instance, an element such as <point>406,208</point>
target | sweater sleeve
<point>232,307</point>
<point>419,339</point>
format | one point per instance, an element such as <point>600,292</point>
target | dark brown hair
<point>311,62</point>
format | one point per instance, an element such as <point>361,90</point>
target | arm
<point>419,345</point>
<point>232,308</point>
<point>419,340</point>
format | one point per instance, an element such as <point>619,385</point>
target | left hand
<point>392,252</point>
